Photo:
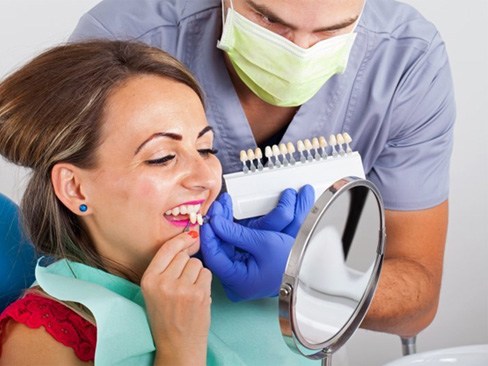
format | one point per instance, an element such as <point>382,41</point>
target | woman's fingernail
<point>193,234</point>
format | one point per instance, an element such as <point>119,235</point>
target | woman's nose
<point>201,175</point>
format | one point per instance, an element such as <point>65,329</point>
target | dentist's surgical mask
<point>274,68</point>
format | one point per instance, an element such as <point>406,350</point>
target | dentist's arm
<point>408,292</point>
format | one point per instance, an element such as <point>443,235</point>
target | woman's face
<point>155,162</point>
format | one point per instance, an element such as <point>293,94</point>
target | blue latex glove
<point>289,213</point>
<point>250,262</point>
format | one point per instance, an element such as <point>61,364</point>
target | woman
<point>121,154</point>
<point>123,170</point>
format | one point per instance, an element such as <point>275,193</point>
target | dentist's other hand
<point>250,263</point>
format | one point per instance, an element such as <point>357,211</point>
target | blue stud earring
<point>83,207</point>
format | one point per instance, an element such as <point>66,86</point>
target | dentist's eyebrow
<point>172,136</point>
<point>264,10</point>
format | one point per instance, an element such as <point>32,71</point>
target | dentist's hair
<point>51,111</point>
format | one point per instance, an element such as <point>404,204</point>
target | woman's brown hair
<point>51,111</point>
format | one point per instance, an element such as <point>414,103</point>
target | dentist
<point>284,70</point>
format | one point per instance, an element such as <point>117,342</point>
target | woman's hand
<point>176,290</point>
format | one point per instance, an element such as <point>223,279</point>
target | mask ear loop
<point>223,10</point>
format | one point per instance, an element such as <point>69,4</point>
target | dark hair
<point>51,111</point>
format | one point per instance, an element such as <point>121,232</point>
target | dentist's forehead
<point>307,13</point>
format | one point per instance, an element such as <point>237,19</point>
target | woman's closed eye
<point>161,161</point>
<point>166,159</point>
<point>207,152</point>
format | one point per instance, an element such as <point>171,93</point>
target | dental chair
<point>17,254</point>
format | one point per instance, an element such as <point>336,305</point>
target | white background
<point>29,26</point>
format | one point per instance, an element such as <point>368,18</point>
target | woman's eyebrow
<point>204,131</point>
<point>173,136</point>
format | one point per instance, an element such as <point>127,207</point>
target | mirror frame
<point>287,294</point>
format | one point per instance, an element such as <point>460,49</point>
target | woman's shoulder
<point>41,324</point>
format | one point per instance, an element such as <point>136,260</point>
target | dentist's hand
<point>289,213</point>
<point>250,262</point>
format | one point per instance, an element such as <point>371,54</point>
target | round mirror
<point>333,269</point>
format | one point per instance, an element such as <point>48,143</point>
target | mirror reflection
<point>334,267</point>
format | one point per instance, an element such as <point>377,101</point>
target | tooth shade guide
<point>323,146</point>
<point>199,219</point>
<point>269,153</point>
<point>291,149</point>
<point>259,155</point>
<point>276,153</point>
<point>310,150</point>
<point>251,157</point>
<point>284,151</point>
<point>257,194</point>
<point>347,140</point>
<point>332,144</point>
<point>308,147</point>
<point>340,142</point>
<point>316,147</point>
<point>301,149</point>
<point>243,158</point>
<point>315,143</point>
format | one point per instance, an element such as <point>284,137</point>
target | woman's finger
<point>168,251</point>
<point>191,271</point>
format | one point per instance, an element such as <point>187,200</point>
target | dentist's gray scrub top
<point>395,98</point>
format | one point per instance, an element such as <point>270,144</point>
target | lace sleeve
<point>62,323</point>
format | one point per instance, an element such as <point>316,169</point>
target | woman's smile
<point>185,213</point>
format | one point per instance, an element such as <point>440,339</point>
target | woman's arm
<point>22,345</point>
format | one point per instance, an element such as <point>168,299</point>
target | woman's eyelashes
<point>205,153</point>
<point>161,161</point>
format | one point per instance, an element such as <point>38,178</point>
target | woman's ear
<point>66,181</point>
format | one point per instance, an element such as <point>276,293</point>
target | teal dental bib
<point>123,332</point>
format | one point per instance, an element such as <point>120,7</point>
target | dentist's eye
<point>267,19</point>
<point>161,161</point>
<point>272,24</point>
<point>207,152</point>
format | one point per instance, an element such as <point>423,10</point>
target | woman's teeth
<point>196,217</point>
<point>183,210</point>
<point>190,210</point>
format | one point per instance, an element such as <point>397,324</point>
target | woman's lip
<point>179,223</point>
<point>198,202</point>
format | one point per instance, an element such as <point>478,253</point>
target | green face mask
<point>277,70</point>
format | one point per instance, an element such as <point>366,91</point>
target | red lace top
<point>62,323</point>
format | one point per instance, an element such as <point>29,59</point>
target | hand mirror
<point>333,269</point>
